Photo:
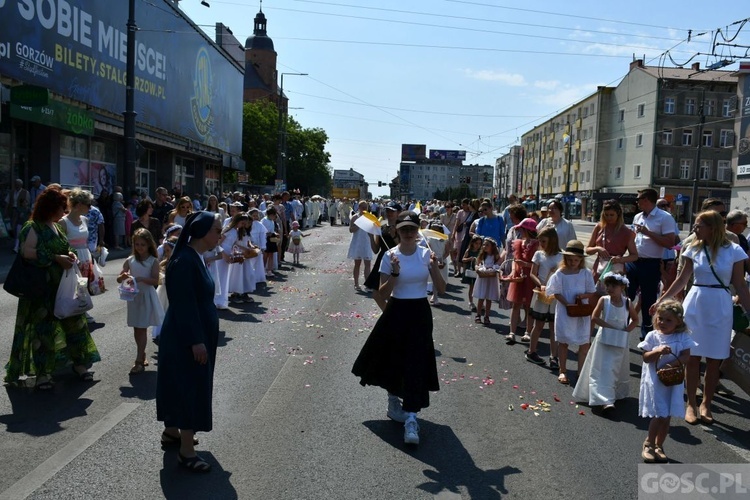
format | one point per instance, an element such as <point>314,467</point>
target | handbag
<point>740,322</point>
<point>73,298</point>
<point>470,273</point>
<point>612,337</point>
<point>670,375</point>
<point>25,280</point>
<point>582,307</point>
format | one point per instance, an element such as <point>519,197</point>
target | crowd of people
<point>530,264</point>
<point>534,266</point>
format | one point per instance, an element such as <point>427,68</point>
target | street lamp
<point>280,167</point>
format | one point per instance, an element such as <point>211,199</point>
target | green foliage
<point>307,162</point>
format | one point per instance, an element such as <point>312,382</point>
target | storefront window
<point>184,176</point>
<point>88,163</point>
<point>213,183</point>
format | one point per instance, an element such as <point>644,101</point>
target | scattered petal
<point>510,407</point>
<point>536,414</point>
<point>581,412</point>
<point>524,406</point>
<point>557,398</point>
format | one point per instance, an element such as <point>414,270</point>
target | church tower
<point>260,63</point>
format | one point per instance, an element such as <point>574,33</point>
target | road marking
<point>47,469</point>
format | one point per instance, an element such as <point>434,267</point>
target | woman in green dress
<point>41,342</point>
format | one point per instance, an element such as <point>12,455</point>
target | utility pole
<point>694,195</point>
<point>570,167</point>
<point>129,114</point>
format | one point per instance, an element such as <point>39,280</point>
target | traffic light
<point>468,180</point>
<point>380,184</point>
<point>462,180</point>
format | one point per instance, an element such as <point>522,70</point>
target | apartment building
<point>670,128</point>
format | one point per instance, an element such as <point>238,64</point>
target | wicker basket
<point>486,273</point>
<point>543,297</point>
<point>580,308</point>
<point>274,239</point>
<point>250,253</point>
<point>671,375</point>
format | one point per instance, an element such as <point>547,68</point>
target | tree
<point>259,140</point>
<point>307,162</point>
<point>454,193</point>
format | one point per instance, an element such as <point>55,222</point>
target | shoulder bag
<point>740,322</point>
<point>26,280</point>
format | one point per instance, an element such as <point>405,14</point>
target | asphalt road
<point>291,422</point>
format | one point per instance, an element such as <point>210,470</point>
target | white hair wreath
<point>619,277</point>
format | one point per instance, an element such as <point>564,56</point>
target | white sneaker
<point>411,431</point>
<point>395,412</point>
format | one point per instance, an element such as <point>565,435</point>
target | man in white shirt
<point>36,189</point>
<point>654,231</point>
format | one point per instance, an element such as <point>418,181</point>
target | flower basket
<point>582,307</point>
<point>671,375</point>
<point>486,273</point>
<point>250,253</point>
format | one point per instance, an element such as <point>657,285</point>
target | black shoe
<point>533,357</point>
<point>554,363</point>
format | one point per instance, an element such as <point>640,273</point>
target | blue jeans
<point>644,274</point>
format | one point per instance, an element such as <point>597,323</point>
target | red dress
<point>520,292</point>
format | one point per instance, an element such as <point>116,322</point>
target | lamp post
<point>280,167</point>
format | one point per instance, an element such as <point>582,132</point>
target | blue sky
<point>470,75</point>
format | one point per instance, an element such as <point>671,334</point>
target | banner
<point>77,49</point>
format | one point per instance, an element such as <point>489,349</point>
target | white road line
<point>47,469</point>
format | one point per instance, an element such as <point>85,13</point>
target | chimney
<point>638,63</point>
<point>696,66</point>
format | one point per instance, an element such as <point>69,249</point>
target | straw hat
<point>574,248</point>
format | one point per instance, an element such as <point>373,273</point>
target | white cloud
<point>547,84</point>
<point>512,79</point>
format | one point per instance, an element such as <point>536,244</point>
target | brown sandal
<point>138,367</point>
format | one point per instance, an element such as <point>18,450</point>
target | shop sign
<point>58,115</point>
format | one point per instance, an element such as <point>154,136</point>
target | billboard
<point>413,152</point>
<point>743,144</point>
<point>445,154</point>
<point>78,49</point>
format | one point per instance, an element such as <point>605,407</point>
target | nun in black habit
<point>187,346</point>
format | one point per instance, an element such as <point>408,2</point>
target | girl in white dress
<point>487,288</point>
<point>569,282</point>
<point>542,310</point>
<point>161,290</point>
<point>656,400</point>
<point>605,375</point>
<point>359,247</point>
<point>144,310</point>
<point>238,285</point>
<point>258,238</point>
<point>295,242</point>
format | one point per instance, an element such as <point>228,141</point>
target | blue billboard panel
<point>444,154</point>
<point>78,49</point>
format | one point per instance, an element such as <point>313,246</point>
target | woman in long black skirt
<point>399,354</point>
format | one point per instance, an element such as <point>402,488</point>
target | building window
<point>639,140</point>
<point>724,170</point>
<point>665,168</point>
<point>583,156</point>
<point>593,107</point>
<point>620,143</point>
<point>685,167</point>
<point>590,155</point>
<point>588,173</point>
<point>622,115</point>
<point>726,108</point>
<point>708,138</point>
<point>585,113</point>
<point>689,106</point>
<point>687,137</point>
<point>709,108</point>
<point>618,172</point>
<point>705,170</point>
<point>585,134</point>
<point>636,171</point>
<point>641,110</point>
<point>669,105</point>
<point>726,138</point>
<point>666,137</point>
